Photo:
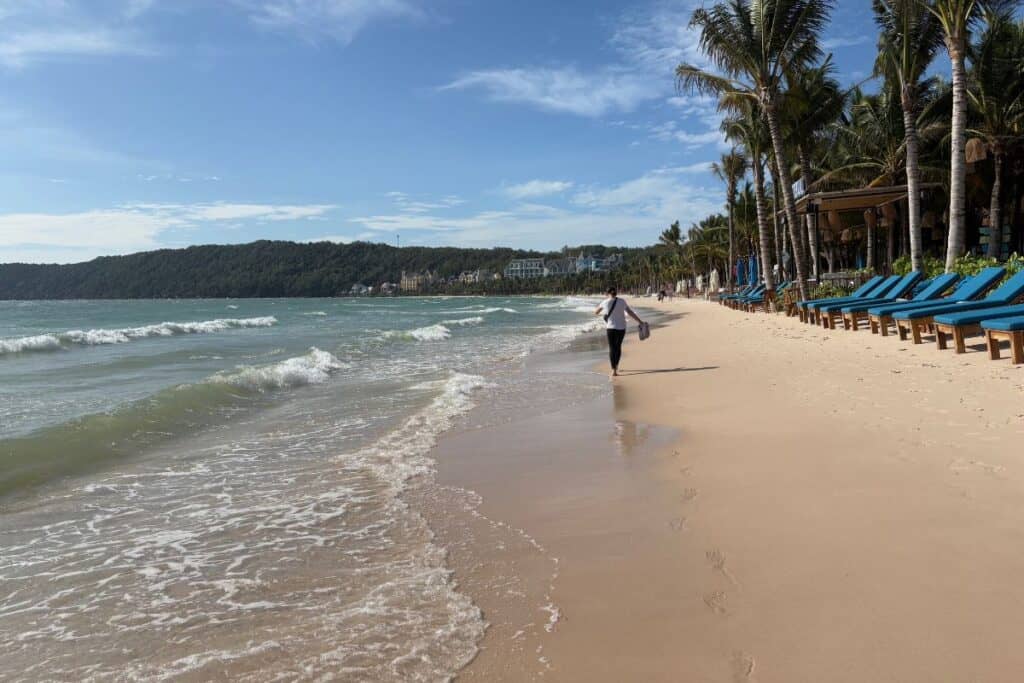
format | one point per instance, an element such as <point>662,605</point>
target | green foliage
<point>972,265</point>
<point>933,267</point>
<point>1014,264</point>
<point>829,290</point>
<point>289,269</point>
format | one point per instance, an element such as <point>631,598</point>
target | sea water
<point>214,489</point>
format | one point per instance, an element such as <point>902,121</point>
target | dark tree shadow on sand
<point>664,370</point>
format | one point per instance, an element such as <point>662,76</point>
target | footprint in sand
<point>963,465</point>
<point>717,559</point>
<point>677,524</point>
<point>716,602</point>
<point>688,495</point>
<point>742,667</point>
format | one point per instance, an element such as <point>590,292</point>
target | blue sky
<point>128,125</point>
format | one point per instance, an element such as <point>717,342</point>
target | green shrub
<point>933,267</point>
<point>829,290</point>
<point>972,265</point>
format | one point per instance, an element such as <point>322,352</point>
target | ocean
<point>218,488</point>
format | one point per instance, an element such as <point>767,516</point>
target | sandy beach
<point>760,501</point>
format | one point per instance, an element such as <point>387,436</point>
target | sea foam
<point>429,333</point>
<point>316,367</point>
<point>99,337</point>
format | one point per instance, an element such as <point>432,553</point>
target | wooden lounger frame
<point>958,332</point>
<point>880,324</point>
<point>851,321</point>
<point>1016,339</point>
<point>914,328</point>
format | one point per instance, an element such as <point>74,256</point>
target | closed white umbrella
<point>715,282</point>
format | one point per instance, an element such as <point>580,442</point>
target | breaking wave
<point>98,337</point>
<point>86,442</point>
<point>429,333</point>
<point>462,322</point>
<point>316,367</point>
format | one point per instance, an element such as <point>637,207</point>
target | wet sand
<point>807,505</point>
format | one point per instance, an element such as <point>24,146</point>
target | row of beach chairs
<point>946,307</point>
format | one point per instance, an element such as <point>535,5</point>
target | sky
<point>130,125</point>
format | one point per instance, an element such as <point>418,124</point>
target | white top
<point>617,320</point>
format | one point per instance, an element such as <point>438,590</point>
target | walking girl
<point>614,310</point>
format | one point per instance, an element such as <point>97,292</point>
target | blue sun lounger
<point>743,292</point>
<point>828,314</point>
<point>913,322</point>
<point>969,289</point>
<point>869,288</point>
<point>751,303</point>
<point>1010,329</point>
<point>929,291</point>
<point>737,301</point>
<point>968,323</point>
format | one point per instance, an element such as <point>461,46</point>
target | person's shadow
<point>664,370</point>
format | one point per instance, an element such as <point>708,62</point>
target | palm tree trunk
<point>812,236</point>
<point>913,183</point>
<point>890,240</point>
<point>904,222</point>
<point>732,256</point>
<point>995,213</point>
<point>871,222</point>
<point>957,241</point>
<point>787,190</point>
<point>780,234</point>
<point>762,225</point>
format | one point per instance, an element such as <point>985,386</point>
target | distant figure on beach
<point>614,311</point>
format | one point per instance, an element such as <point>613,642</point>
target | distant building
<point>414,282</point>
<point>359,289</point>
<point>388,288</point>
<point>524,268</point>
<point>559,267</point>
<point>593,264</point>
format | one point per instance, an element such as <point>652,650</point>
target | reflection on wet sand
<point>629,436</point>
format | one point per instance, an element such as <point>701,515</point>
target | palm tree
<point>957,18</point>
<point>909,38</point>
<point>813,102</point>
<point>731,168</point>
<point>996,95</point>
<point>708,243</point>
<point>755,44</point>
<point>749,130</point>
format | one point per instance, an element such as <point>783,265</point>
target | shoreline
<point>829,506</point>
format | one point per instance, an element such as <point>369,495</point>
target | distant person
<point>614,311</point>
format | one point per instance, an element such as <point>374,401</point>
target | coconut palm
<point>748,129</point>
<point>811,104</point>
<point>707,243</point>
<point>731,168</point>
<point>909,38</point>
<point>996,95</point>
<point>755,45</point>
<point>957,19</point>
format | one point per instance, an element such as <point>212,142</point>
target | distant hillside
<point>259,269</point>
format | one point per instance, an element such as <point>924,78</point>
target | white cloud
<point>128,228</point>
<point>565,90</point>
<point>658,37</point>
<point>339,20</point>
<point>837,42</point>
<point>337,239</point>
<point>648,43</point>
<point>20,49</point>
<point>536,188</point>
<point>407,204</point>
<point>633,212</point>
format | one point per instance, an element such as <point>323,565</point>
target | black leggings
<point>615,338</point>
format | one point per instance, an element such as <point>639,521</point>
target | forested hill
<point>259,269</point>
